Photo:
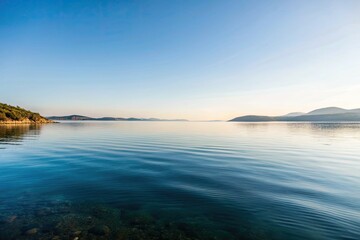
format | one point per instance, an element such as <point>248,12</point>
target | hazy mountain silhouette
<point>294,114</point>
<point>328,110</point>
<point>329,114</point>
<point>85,118</point>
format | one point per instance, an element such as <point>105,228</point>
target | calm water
<point>180,180</point>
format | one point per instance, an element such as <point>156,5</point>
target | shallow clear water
<point>180,180</point>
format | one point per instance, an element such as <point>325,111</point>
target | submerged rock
<point>32,231</point>
<point>139,218</point>
<point>11,219</point>
<point>76,233</point>
<point>94,221</point>
<point>100,230</point>
<point>43,212</point>
<point>100,211</point>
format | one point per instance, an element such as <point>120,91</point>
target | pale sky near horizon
<point>199,60</point>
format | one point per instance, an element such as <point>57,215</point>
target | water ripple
<point>242,181</point>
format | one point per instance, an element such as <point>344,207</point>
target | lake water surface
<point>180,180</point>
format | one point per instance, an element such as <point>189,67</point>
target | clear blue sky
<point>179,59</point>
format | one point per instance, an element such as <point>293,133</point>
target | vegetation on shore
<point>11,114</point>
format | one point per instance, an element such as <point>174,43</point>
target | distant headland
<point>85,118</point>
<point>329,114</point>
<point>17,115</point>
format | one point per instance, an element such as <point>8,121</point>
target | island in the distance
<point>17,115</point>
<point>329,114</point>
<point>85,118</point>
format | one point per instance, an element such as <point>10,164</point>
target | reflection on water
<point>323,129</point>
<point>179,180</point>
<point>15,133</point>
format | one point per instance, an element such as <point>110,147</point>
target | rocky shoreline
<point>26,121</point>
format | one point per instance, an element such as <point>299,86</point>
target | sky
<point>199,60</point>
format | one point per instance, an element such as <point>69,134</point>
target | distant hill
<point>71,117</point>
<point>253,118</point>
<point>329,114</point>
<point>85,118</point>
<point>11,114</point>
<point>328,110</point>
<point>294,114</point>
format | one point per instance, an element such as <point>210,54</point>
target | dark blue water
<point>180,180</point>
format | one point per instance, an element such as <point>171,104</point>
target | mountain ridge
<point>75,117</point>
<point>322,114</point>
